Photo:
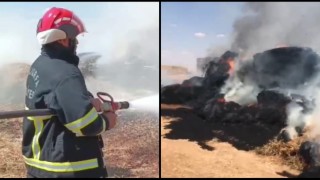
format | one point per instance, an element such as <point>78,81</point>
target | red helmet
<point>58,23</point>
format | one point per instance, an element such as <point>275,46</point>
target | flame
<point>231,66</point>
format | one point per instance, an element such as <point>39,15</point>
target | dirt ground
<point>192,149</point>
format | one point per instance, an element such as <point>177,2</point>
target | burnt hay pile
<point>273,72</point>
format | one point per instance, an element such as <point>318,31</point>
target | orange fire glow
<point>232,66</point>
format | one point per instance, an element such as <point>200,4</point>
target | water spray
<point>150,103</point>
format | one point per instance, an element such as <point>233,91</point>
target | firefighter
<point>68,144</point>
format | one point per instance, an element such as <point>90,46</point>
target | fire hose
<point>107,105</point>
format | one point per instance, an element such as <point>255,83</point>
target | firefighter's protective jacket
<point>69,143</point>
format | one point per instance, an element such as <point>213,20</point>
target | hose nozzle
<point>109,105</point>
<point>123,105</point>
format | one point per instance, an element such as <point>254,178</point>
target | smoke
<point>312,119</point>
<point>239,92</point>
<point>265,25</point>
<point>13,83</point>
<point>217,50</point>
<point>127,37</point>
<point>295,117</point>
<point>241,86</point>
<point>122,33</point>
<point>18,41</point>
<point>291,71</point>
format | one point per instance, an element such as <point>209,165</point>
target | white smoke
<point>243,92</point>
<point>18,38</point>
<point>125,33</point>
<point>267,25</point>
<point>312,119</point>
<point>120,32</point>
<point>124,30</point>
<point>217,51</point>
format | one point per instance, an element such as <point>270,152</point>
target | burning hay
<point>215,95</point>
<point>268,91</point>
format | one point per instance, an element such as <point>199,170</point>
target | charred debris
<point>274,73</point>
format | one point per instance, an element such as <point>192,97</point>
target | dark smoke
<point>287,67</point>
<point>265,25</point>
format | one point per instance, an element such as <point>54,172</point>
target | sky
<point>35,9</point>
<point>113,29</point>
<point>189,29</point>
